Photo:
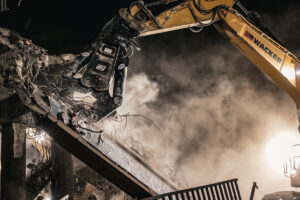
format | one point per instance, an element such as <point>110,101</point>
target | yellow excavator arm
<point>269,56</point>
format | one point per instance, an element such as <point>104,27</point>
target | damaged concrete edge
<point>135,188</point>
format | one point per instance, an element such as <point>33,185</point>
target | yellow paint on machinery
<point>180,16</point>
<point>270,57</point>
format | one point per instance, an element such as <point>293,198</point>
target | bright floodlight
<point>278,150</point>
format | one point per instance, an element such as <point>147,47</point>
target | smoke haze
<point>216,109</point>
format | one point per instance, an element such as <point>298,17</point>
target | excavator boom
<point>82,96</point>
<point>262,49</point>
<point>269,56</point>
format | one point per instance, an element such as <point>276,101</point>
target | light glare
<point>278,150</point>
<point>289,73</point>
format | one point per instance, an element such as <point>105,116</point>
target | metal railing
<point>225,190</point>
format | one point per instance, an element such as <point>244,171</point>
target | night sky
<point>67,26</point>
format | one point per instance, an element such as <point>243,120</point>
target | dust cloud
<point>216,110</point>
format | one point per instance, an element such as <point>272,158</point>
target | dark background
<point>183,64</point>
<point>215,108</point>
<point>68,25</point>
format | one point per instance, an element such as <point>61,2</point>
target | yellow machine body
<point>270,57</point>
